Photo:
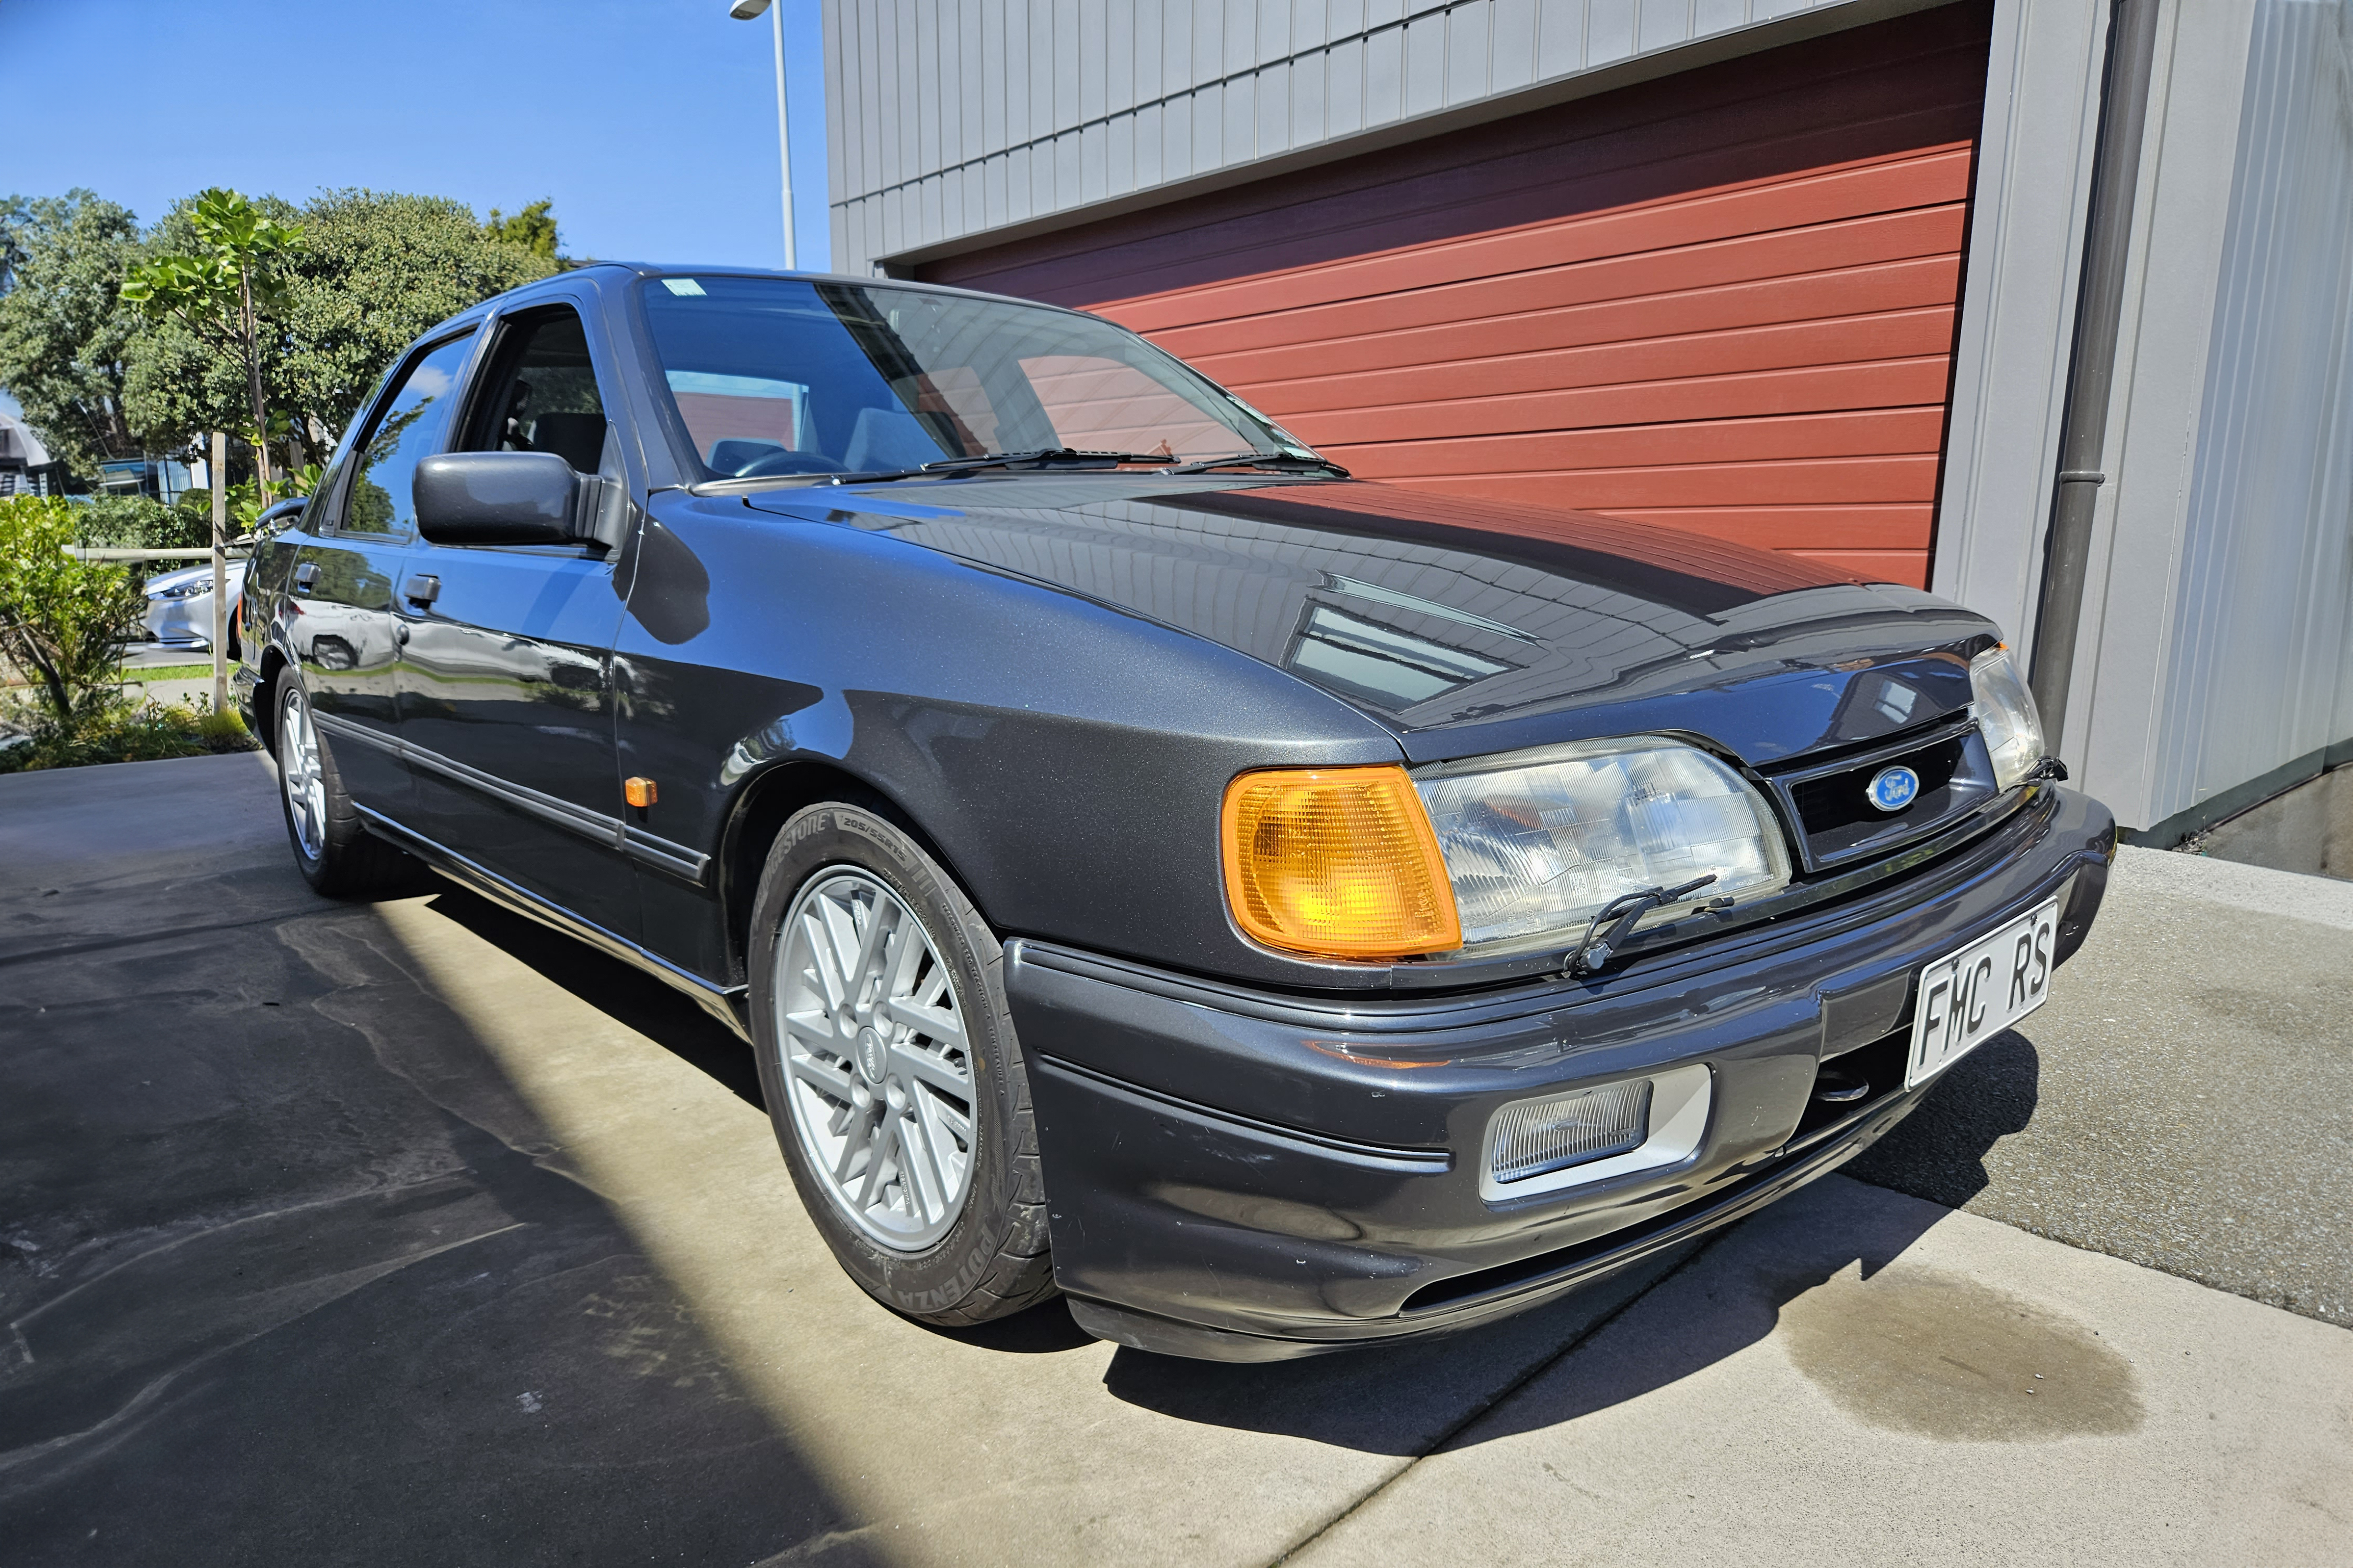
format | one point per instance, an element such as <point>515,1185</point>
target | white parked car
<point>180,607</point>
<point>180,602</point>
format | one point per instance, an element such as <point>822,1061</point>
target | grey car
<point>1276,912</point>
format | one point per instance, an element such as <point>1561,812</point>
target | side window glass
<point>413,424</point>
<point>540,395</point>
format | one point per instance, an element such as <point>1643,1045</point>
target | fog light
<point>1539,1135</point>
<point>1596,1134</point>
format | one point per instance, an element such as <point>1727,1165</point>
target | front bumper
<point>180,623</point>
<point>1245,1176</point>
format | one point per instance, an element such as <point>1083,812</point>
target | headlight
<point>2006,716</point>
<point>1543,844</point>
<point>194,590</point>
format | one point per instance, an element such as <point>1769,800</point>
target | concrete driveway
<point>411,1233</point>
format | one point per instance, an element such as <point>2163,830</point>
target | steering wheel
<point>790,462</point>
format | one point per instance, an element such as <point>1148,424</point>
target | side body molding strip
<point>725,1003</point>
<point>647,849</point>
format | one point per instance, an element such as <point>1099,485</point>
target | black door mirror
<point>275,519</point>
<point>497,497</point>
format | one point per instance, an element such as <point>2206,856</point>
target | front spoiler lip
<point>1583,1265</point>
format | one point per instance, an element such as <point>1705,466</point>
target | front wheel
<point>891,1071</point>
<point>335,854</point>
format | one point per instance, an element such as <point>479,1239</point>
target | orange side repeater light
<point>1339,862</point>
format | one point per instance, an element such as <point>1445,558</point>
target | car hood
<point>1466,626</point>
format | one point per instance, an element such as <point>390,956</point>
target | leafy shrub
<point>136,522</point>
<point>122,733</point>
<point>62,621</point>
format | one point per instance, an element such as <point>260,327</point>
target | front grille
<point>1832,802</point>
<point>1832,805</point>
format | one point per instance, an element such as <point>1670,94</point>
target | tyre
<point>891,1071</point>
<point>335,854</point>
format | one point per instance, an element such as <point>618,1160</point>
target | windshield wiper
<point>1588,955</point>
<point>951,466</point>
<point>1256,460</point>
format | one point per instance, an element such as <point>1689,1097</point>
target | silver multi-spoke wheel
<point>876,1067</point>
<point>299,775</point>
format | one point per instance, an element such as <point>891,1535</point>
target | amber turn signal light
<point>639,792</point>
<point>1339,862</point>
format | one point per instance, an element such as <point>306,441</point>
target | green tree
<point>221,289</point>
<point>377,271</point>
<point>62,621</point>
<point>65,335</point>
<point>531,229</point>
<point>374,270</point>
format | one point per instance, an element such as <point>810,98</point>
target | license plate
<point>1978,991</point>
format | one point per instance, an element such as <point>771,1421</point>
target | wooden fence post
<point>220,572</point>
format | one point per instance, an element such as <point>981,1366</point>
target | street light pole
<point>749,10</point>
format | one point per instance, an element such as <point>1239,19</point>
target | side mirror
<point>279,515</point>
<point>275,519</point>
<point>497,497</point>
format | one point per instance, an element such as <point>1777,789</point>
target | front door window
<point>413,426</point>
<point>540,395</point>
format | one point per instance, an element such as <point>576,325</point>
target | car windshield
<point>772,377</point>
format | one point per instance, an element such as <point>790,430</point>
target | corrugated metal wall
<point>2262,666</point>
<point>1723,301</point>
<point>949,117</point>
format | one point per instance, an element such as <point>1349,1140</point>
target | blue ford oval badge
<point>1892,789</point>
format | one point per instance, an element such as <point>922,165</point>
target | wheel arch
<point>272,669</point>
<point>766,804</point>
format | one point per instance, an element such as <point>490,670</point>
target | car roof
<point>604,274</point>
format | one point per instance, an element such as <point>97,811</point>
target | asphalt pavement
<point>412,1233</point>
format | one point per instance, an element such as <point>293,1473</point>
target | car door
<point>344,622</point>
<point>505,683</point>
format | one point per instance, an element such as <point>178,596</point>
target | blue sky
<point>652,123</point>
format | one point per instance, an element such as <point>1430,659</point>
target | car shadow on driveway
<point>1376,1399</point>
<point>672,1021</point>
<point>628,995</point>
<point>288,1274</point>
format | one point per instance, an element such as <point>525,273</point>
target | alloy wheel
<point>876,1067</point>
<point>299,775</point>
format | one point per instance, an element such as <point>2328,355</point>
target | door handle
<point>306,576</point>
<point>400,633</point>
<point>422,590</point>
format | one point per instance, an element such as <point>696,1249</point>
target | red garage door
<point>1723,301</point>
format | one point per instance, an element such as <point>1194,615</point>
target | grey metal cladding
<point>2258,675</point>
<point>954,117</point>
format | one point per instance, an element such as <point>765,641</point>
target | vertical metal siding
<point>1724,300</point>
<point>2259,675</point>
<point>2027,215</point>
<point>1079,100</point>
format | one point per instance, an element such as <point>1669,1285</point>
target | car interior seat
<point>738,453</point>
<point>577,438</point>
<point>885,438</point>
